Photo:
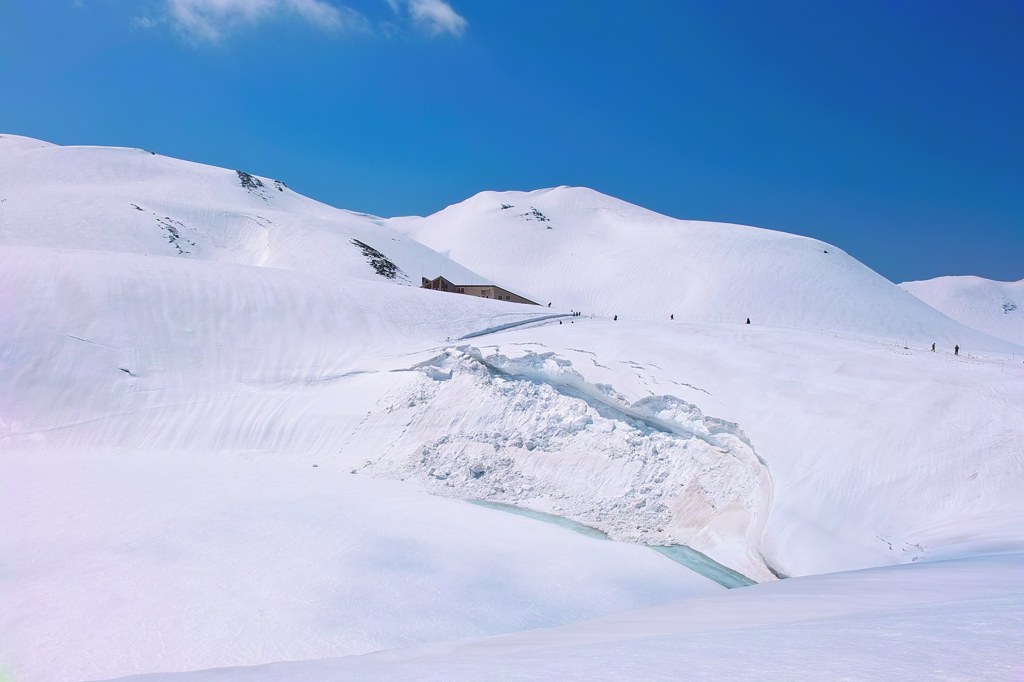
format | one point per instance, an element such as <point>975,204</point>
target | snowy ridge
<point>133,201</point>
<point>996,308</point>
<point>607,257</point>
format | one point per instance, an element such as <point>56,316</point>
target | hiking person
<point>933,346</point>
<point>956,349</point>
<point>672,316</point>
<point>748,320</point>
<point>615,318</point>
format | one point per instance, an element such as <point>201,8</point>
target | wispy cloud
<point>145,22</point>
<point>212,20</point>
<point>435,16</point>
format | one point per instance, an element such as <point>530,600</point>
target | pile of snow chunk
<point>533,431</point>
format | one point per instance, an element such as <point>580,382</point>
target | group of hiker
<point>575,313</point>
<point>672,316</point>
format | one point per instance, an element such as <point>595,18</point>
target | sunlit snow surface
<point>208,393</point>
<point>996,308</point>
<point>956,620</point>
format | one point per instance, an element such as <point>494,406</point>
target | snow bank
<point>877,453</point>
<point>532,430</point>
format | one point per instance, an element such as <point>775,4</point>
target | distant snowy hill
<point>131,201</point>
<point>996,308</point>
<point>584,250</point>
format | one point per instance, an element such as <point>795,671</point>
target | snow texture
<point>957,620</point>
<point>656,471</point>
<point>205,389</point>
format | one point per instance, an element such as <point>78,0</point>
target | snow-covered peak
<point>10,142</point>
<point>996,308</point>
<point>582,249</point>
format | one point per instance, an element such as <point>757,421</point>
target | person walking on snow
<point>933,346</point>
<point>956,349</point>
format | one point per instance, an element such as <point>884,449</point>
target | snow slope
<point>762,447</point>
<point>202,384</point>
<point>956,620</point>
<point>125,561</point>
<point>135,202</point>
<point>996,308</point>
<point>587,251</point>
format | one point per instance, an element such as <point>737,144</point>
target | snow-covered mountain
<point>131,201</point>
<point>228,417</point>
<point>996,308</point>
<point>587,251</point>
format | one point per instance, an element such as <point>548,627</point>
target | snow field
<point>952,620</point>
<point>204,378</point>
<point>126,561</point>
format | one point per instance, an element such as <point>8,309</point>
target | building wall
<point>481,290</point>
<point>506,295</point>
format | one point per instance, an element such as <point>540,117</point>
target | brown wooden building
<point>481,290</point>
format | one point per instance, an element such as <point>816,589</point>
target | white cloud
<point>437,16</point>
<point>209,20</point>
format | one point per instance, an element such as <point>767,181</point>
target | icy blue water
<point>705,565</point>
<point>542,516</point>
<point>681,554</point>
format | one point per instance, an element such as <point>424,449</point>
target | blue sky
<point>892,129</point>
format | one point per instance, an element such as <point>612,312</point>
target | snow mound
<point>878,453</point>
<point>583,250</point>
<point>996,308</point>
<point>532,430</point>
